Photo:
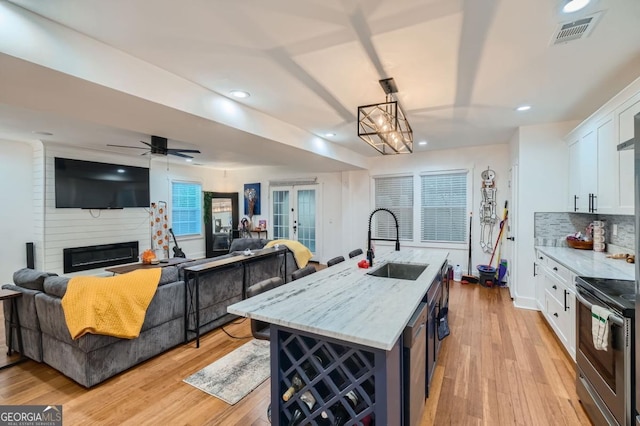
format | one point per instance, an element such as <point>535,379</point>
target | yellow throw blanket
<point>113,306</point>
<point>301,253</point>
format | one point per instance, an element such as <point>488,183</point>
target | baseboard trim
<point>525,303</point>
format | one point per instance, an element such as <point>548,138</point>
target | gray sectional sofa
<point>92,359</point>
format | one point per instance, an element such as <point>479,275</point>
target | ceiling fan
<point>158,146</point>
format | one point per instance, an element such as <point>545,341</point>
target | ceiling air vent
<point>575,30</point>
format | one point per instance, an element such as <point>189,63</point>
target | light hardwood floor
<point>499,366</point>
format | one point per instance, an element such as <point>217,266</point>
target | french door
<point>294,215</point>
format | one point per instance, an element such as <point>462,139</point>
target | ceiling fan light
<point>574,5</point>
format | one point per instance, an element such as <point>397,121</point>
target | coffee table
<point>123,269</point>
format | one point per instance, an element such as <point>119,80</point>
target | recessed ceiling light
<point>329,135</point>
<point>43,133</point>
<point>240,94</point>
<point>574,5</point>
<point>523,108</point>
<point>423,143</point>
<point>188,160</point>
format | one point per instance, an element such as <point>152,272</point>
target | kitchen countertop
<point>589,263</point>
<point>345,303</point>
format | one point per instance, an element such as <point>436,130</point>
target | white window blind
<point>395,194</point>
<point>186,208</point>
<point>444,207</point>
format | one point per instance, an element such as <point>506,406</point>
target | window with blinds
<point>395,194</point>
<point>186,208</point>
<point>444,207</point>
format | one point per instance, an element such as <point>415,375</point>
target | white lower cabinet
<point>556,296</point>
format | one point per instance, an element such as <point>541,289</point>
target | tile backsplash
<point>551,229</point>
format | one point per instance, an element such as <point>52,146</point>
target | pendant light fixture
<point>384,126</point>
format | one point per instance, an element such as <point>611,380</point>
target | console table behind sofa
<point>204,277</point>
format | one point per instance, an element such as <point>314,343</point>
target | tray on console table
<point>123,269</point>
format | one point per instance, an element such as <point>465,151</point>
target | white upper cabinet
<point>625,114</point>
<point>605,200</point>
<point>583,170</point>
<point>588,170</point>
<point>574,175</point>
<point>601,178</point>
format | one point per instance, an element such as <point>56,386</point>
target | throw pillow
<point>31,279</point>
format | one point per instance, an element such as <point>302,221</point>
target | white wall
<point>543,178</point>
<point>330,190</point>
<point>27,173</point>
<point>347,198</point>
<point>162,174</point>
<point>16,217</point>
<point>356,206</point>
<point>474,159</point>
<point>69,227</point>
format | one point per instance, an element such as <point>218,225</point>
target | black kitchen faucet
<point>369,239</point>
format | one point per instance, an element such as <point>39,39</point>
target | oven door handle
<point>612,317</point>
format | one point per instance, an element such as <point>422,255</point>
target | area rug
<point>233,376</point>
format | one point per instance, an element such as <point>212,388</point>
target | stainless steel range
<point>605,381</point>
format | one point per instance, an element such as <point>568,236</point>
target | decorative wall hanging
<point>159,227</point>
<point>251,199</point>
<point>488,214</point>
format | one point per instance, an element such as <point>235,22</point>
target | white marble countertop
<point>345,303</point>
<point>589,263</point>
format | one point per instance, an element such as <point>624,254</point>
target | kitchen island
<point>340,330</point>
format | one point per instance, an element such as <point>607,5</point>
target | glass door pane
<point>306,208</point>
<point>281,211</point>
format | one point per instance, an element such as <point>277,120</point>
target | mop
<point>469,278</point>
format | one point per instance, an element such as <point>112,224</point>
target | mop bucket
<point>502,271</point>
<point>487,275</point>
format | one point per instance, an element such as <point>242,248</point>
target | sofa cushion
<point>241,244</point>
<point>31,279</point>
<point>169,275</point>
<point>56,286</point>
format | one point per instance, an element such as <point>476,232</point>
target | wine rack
<point>333,372</point>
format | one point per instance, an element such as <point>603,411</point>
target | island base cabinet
<point>358,383</point>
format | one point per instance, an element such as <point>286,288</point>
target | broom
<point>469,278</point>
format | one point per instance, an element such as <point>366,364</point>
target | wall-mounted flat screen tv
<point>92,185</point>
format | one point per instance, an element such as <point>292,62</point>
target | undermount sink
<point>402,271</point>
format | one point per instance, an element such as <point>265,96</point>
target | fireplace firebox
<point>99,256</point>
